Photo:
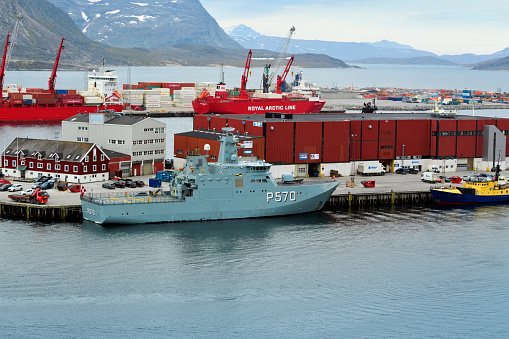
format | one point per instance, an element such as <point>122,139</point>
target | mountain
<point>501,64</point>
<point>146,23</point>
<point>41,29</point>
<point>377,52</point>
<point>249,38</point>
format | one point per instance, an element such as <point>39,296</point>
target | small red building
<point>78,162</point>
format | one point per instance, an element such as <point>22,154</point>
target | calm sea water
<point>408,273</point>
<point>405,273</point>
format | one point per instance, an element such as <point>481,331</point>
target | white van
<point>430,177</point>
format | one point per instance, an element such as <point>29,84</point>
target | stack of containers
<point>184,97</point>
<point>69,97</point>
<point>134,97</point>
<point>152,99</point>
<point>165,95</point>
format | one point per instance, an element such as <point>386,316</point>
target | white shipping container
<point>165,102</point>
<point>93,100</point>
<point>87,93</point>
<point>27,97</point>
<point>187,89</point>
<point>152,105</point>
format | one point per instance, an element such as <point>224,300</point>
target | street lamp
<point>352,177</point>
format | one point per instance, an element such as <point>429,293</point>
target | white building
<point>144,139</point>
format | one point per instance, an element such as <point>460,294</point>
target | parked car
<point>120,184</point>
<point>441,178</point>
<point>75,188</point>
<point>141,194</point>
<point>130,184</point>
<point>109,185</point>
<point>4,181</point>
<point>401,170</point>
<point>413,170</point>
<point>42,178</point>
<point>36,185</point>
<point>139,183</point>
<point>15,187</point>
<point>456,180</point>
<point>5,187</point>
<point>47,185</point>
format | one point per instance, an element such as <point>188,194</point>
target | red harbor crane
<point>51,82</point>
<point>2,70</point>
<point>281,78</point>
<point>243,84</point>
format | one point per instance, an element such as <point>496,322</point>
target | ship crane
<point>282,78</point>
<point>51,82</point>
<point>2,70</point>
<point>243,84</point>
<point>268,79</point>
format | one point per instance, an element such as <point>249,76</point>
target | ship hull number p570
<point>281,196</point>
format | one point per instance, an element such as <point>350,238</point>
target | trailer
<point>37,197</point>
<point>371,169</point>
<point>430,177</point>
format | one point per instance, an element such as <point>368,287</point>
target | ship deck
<point>122,199</point>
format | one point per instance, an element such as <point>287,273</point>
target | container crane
<point>2,69</point>
<point>243,84</point>
<point>281,78</point>
<point>51,82</point>
<point>268,79</point>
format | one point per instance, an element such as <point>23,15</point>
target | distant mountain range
<point>360,52</point>
<point>146,24</point>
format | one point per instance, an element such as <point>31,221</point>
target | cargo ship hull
<point>58,113</point>
<point>257,106</point>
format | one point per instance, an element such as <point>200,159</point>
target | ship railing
<point>123,198</point>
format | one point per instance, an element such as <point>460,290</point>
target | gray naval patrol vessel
<point>226,189</point>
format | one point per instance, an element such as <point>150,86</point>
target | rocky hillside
<point>146,23</point>
<point>501,64</point>
<point>42,27</point>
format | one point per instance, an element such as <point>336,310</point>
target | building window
<point>31,164</point>
<point>48,166</point>
<point>84,168</point>
<point>78,139</point>
<point>104,167</point>
<point>95,158</point>
<point>39,157</point>
<point>94,168</point>
<point>14,163</point>
<point>6,163</point>
<point>40,165</point>
<point>57,167</point>
<point>86,158</point>
<point>75,168</point>
<point>112,141</point>
<point>102,157</point>
<point>159,129</point>
<point>66,168</point>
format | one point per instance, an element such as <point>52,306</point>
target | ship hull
<point>27,113</point>
<point>454,197</point>
<point>298,199</point>
<point>257,106</point>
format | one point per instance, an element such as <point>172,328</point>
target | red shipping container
<point>72,101</point>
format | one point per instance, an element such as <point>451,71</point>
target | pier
<point>31,212</point>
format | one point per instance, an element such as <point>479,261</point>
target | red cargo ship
<point>33,104</point>
<point>261,103</point>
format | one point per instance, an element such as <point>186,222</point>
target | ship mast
<point>2,70</point>
<point>51,82</point>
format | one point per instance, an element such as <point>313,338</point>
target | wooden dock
<point>31,212</point>
<point>350,202</point>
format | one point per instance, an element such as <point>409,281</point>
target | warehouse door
<point>147,168</point>
<point>302,170</point>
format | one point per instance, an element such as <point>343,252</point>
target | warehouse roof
<point>352,116</point>
<point>214,135</point>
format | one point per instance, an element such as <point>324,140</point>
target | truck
<point>430,177</point>
<point>37,197</point>
<point>371,169</point>
<point>433,168</point>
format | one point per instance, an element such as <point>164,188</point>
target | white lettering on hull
<point>281,196</point>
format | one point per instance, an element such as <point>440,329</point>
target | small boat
<point>475,190</point>
<point>368,183</point>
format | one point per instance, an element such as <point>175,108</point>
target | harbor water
<point>404,273</point>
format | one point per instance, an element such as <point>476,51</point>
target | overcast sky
<point>441,27</point>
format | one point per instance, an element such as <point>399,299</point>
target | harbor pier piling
<point>348,202</point>
<point>31,212</point>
